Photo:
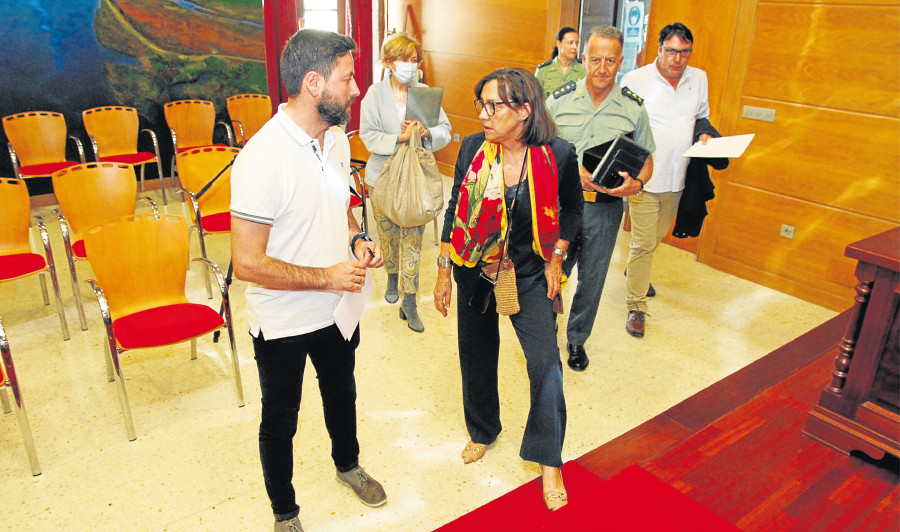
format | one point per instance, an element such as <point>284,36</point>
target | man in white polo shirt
<point>676,98</point>
<point>296,243</point>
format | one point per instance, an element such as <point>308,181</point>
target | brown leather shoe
<point>365,487</point>
<point>635,323</point>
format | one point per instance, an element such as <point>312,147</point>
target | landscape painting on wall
<point>71,55</point>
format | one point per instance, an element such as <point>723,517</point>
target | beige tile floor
<point>194,465</point>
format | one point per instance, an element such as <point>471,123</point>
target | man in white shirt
<point>291,226</point>
<point>676,97</point>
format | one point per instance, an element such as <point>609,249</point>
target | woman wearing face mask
<point>563,66</point>
<point>382,126</point>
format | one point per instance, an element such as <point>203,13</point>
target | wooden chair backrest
<point>15,213</point>
<point>115,129</point>
<point>251,110</point>
<point>94,193</point>
<point>357,147</point>
<point>38,137</point>
<point>140,261</point>
<point>198,167</point>
<point>192,120</point>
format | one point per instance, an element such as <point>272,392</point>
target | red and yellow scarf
<point>480,217</point>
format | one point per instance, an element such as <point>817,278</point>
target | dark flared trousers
<point>479,350</point>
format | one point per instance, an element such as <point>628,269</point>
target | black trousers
<point>281,363</point>
<point>479,351</point>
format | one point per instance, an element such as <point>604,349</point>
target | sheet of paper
<point>351,306</point>
<point>720,147</point>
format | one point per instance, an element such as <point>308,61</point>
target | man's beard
<point>332,111</point>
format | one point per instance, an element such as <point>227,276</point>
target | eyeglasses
<point>489,107</point>
<point>672,52</point>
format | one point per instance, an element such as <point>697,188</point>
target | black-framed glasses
<point>489,107</point>
<point>672,52</point>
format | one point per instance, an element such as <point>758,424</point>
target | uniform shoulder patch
<point>563,90</point>
<point>631,94</point>
<point>545,63</point>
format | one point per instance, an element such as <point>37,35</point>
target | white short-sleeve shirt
<point>673,113</point>
<point>283,178</point>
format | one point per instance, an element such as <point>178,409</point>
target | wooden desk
<point>860,408</point>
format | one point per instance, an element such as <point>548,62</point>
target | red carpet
<point>633,500</point>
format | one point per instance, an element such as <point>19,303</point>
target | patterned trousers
<point>401,247</point>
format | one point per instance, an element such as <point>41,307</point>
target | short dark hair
<point>565,30</point>
<point>311,50</point>
<point>519,86</point>
<point>676,28</point>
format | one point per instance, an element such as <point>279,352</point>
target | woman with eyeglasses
<point>382,126</point>
<point>516,194</point>
<point>563,65</point>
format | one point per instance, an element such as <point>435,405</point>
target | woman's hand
<point>405,131</point>
<point>443,290</point>
<point>553,273</point>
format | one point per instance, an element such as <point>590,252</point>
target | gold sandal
<point>473,452</point>
<point>555,499</point>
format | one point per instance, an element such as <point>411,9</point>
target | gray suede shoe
<point>365,487</point>
<point>291,525</point>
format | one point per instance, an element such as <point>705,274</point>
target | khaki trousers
<point>651,217</point>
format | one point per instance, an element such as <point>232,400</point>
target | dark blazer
<point>571,198</point>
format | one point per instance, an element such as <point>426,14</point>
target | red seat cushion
<point>216,223</point>
<point>20,264</point>
<point>34,170</point>
<point>133,159</point>
<point>355,201</point>
<point>165,325</point>
<point>78,249</point>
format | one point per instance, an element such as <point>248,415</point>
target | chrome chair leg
<point>43,282</point>
<point>194,347</point>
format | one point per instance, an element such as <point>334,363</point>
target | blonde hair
<point>400,46</point>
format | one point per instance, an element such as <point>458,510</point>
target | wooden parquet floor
<point>738,448</point>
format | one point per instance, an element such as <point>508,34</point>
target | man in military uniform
<point>563,66</point>
<point>588,113</point>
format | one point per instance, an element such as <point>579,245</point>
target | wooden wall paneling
<point>842,57</point>
<point>812,265</point>
<point>846,160</point>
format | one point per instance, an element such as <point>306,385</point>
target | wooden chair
<point>9,380</point>
<point>16,258</point>
<point>210,206</point>
<point>359,155</point>
<point>37,143</point>
<point>248,113</point>
<point>140,262</point>
<point>90,195</point>
<point>192,123</point>
<point>114,133</point>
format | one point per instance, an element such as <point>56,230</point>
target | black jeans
<point>479,351</point>
<point>281,363</point>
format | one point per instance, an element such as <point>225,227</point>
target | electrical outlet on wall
<point>787,231</point>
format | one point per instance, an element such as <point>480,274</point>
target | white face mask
<point>405,72</point>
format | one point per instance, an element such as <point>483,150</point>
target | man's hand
<point>704,137</point>
<point>369,253</point>
<point>629,187</point>
<point>348,276</point>
<point>587,182</point>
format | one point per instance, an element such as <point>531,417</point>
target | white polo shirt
<point>283,178</point>
<point>672,115</point>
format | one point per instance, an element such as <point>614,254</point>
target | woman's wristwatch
<point>444,262</point>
